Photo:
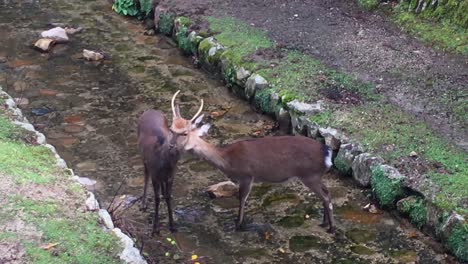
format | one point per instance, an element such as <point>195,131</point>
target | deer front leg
<point>157,200</point>
<point>168,197</point>
<point>144,204</point>
<point>244,191</point>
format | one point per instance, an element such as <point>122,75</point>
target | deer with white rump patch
<point>268,159</point>
<point>157,144</point>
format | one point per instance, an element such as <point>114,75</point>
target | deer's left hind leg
<point>244,190</point>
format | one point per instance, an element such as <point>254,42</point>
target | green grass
<point>368,4</point>
<point>301,77</point>
<point>416,210</point>
<point>458,241</point>
<point>242,39</point>
<point>80,240</point>
<point>26,163</point>
<point>442,35</point>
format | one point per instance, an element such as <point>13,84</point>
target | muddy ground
<point>413,76</point>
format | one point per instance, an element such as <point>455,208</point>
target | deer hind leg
<point>157,200</point>
<point>144,204</point>
<point>167,191</point>
<point>322,191</point>
<point>244,190</point>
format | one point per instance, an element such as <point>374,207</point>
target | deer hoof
<point>323,225</point>
<point>331,230</point>
<point>155,232</point>
<point>173,229</point>
<point>240,226</point>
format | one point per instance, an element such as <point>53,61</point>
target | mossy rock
<point>387,189</point>
<point>458,241</point>
<point>362,250</point>
<point>415,208</point>
<point>166,24</point>
<point>210,52</point>
<point>262,101</point>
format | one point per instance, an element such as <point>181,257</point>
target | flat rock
<point>57,33</point>
<point>223,189</point>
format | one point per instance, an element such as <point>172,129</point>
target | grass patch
<point>166,23</point>
<point>386,190</point>
<point>240,38</point>
<point>458,241</point>
<point>34,164</point>
<point>80,240</point>
<point>368,4</point>
<point>416,210</point>
<point>442,35</point>
<point>301,77</point>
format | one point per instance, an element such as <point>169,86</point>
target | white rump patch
<point>330,205</point>
<point>328,159</point>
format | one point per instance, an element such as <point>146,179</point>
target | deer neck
<point>210,153</point>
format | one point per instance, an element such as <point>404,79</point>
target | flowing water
<point>88,111</point>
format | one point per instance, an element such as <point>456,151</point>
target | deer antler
<point>199,111</point>
<point>172,104</point>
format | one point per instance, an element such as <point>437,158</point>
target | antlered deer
<point>157,144</point>
<point>268,159</point>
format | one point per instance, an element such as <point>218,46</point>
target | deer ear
<point>203,130</point>
<point>197,121</point>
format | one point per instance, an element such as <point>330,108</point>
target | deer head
<point>187,130</point>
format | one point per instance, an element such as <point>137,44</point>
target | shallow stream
<point>88,111</point>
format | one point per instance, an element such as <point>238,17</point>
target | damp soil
<point>428,83</point>
<point>88,111</point>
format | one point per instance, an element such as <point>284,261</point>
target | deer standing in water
<point>157,144</point>
<point>268,159</point>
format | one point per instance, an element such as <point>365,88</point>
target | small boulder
<point>362,168</point>
<point>345,157</point>
<point>92,55</point>
<point>44,44</point>
<point>106,218</point>
<point>305,108</point>
<point>332,137</point>
<point>91,202</point>
<point>254,82</point>
<point>223,189</point>
<point>57,33</point>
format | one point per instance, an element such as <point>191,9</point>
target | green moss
<point>183,21</point>
<point>342,167</point>
<point>262,100</point>
<point>277,198</point>
<point>303,243</point>
<point>362,250</point>
<point>242,39</point>
<point>166,23</point>
<point>229,75</point>
<point>361,236</point>
<point>386,190</point>
<point>291,221</point>
<point>416,210</point>
<point>368,4</point>
<point>458,241</point>
<point>187,46</point>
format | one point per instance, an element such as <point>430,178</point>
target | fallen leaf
<point>267,236</point>
<point>412,235</point>
<point>194,257</point>
<point>49,246</point>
